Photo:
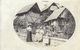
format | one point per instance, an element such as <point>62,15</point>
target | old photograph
<point>52,23</point>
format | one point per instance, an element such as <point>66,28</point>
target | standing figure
<point>29,34</point>
<point>47,35</point>
<point>39,34</point>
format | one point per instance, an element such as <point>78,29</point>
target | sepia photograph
<point>54,22</point>
<point>40,25</point>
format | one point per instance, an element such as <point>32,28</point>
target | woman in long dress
<point>39,34</point>
<point>29,34</point>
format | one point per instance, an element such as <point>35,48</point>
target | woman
<point>39,34</point>
<point>29,34</point>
